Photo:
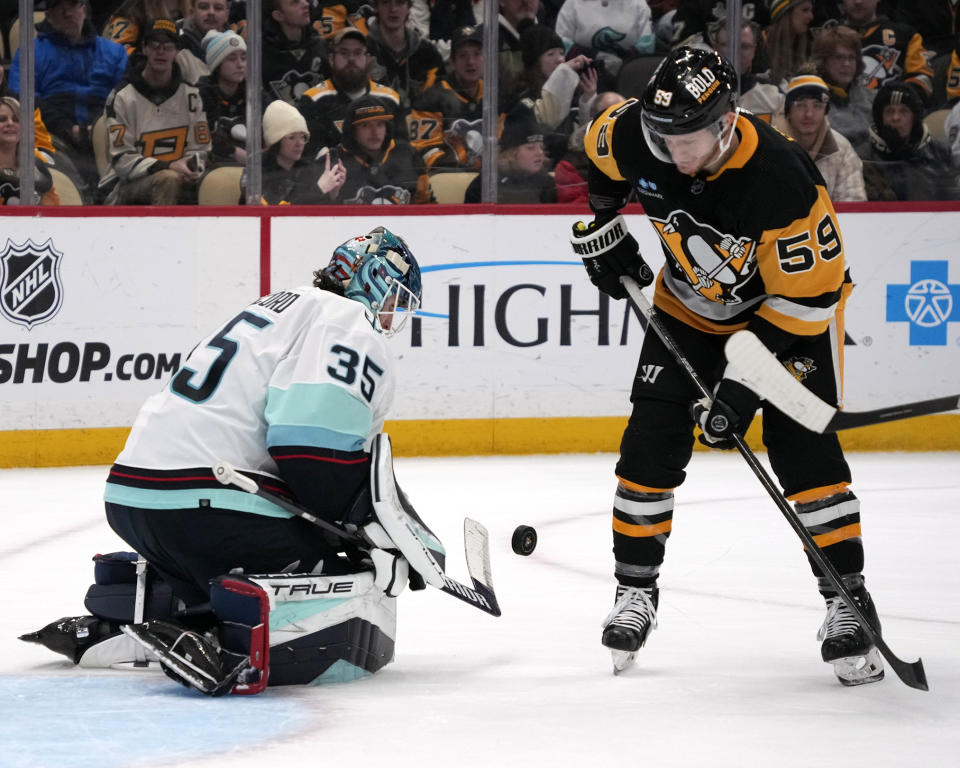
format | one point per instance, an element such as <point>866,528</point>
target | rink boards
<point>513,350</point>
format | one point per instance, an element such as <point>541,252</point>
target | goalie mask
<point>690,91</point>
<point>379,271</point>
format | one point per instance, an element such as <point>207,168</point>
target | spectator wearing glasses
<point>837,55</point>
<point>157,129</point>
<point>325,106</point>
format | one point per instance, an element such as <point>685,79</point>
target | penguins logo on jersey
<point>713,263</point>
<point>800,367</point>
<point>879,65</point>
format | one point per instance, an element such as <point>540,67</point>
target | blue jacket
<point>72,82</point>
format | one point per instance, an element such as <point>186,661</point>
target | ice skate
<point>626,627</point>
<point>855,659</point>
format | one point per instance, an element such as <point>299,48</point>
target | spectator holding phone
<point>289,179</point>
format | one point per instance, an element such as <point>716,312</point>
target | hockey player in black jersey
<point>751,240</point>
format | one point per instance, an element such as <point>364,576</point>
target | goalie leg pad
<point>326,629</point>
<point>403,528</point>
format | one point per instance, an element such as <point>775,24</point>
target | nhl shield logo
<point>30,289</point>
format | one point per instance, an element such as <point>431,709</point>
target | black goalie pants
<point>658,442</point>
<point>189,547</point>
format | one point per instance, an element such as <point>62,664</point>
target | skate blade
<point>860,669</point>
<point>622,660</point>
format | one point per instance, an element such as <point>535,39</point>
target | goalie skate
<point>626,627</point>
<point>846,646</point>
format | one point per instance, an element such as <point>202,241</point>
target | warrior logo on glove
<point>716,265</point>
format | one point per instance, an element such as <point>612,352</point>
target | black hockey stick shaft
<point>850,419</point>
<point>912,674</point>
<point>482,596</point>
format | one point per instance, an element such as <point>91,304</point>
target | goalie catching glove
<point>610,252</point>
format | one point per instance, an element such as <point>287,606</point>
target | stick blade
<point>758,368</point>
<point>476,547</point>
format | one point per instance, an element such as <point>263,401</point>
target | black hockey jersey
<point>757,238</point>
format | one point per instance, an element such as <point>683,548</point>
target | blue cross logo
<point>928,303</point>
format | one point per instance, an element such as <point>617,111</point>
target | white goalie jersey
<point>291,391</point>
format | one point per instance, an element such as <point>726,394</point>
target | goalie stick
<point>765,374</point>
<point>476,541</point>
<point>911,673</point>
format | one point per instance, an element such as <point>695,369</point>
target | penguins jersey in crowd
<point>290,391</point>
<point>756,238</point>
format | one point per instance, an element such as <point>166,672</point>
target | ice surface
<point>731,678</point>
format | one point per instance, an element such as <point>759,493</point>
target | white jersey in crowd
<point>300,369</point>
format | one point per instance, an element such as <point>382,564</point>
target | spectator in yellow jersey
<point>446,121</point>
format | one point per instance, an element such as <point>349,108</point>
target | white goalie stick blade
<point>758,368</point>
<point>476,547</point>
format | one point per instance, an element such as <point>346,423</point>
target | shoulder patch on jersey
<point>599,139</point>
<point>378,89</point>
<point>321,89</point>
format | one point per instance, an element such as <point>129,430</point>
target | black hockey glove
<point>608,252</point>
<point>731,411</point>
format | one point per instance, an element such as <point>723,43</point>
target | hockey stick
<point>911,674</point>
<point>476,541</point>
<point>765,374</point>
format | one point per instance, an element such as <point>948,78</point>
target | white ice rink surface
<point>731,678</point>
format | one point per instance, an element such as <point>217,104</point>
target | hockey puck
<point>524,540</point>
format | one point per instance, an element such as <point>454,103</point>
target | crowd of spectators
<point>139,101</point>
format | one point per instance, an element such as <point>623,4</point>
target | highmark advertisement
<point>96,313</point>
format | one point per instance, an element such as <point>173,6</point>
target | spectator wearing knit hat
<point>788,39</point>
<point>913,165</point>
<point>381,169</point>
<point>521,162</point>
<point>288,178</point>
<point>804,119</point>
<point>224,94</point>
<point>202,16</point>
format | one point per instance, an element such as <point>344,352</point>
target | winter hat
<point>536,41</point>
<point>806,87</point>
<point>520,127</point>
<point>779,7</point>
<point>218,45</point>
<point>281,119</point>
<point>898,93</point>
